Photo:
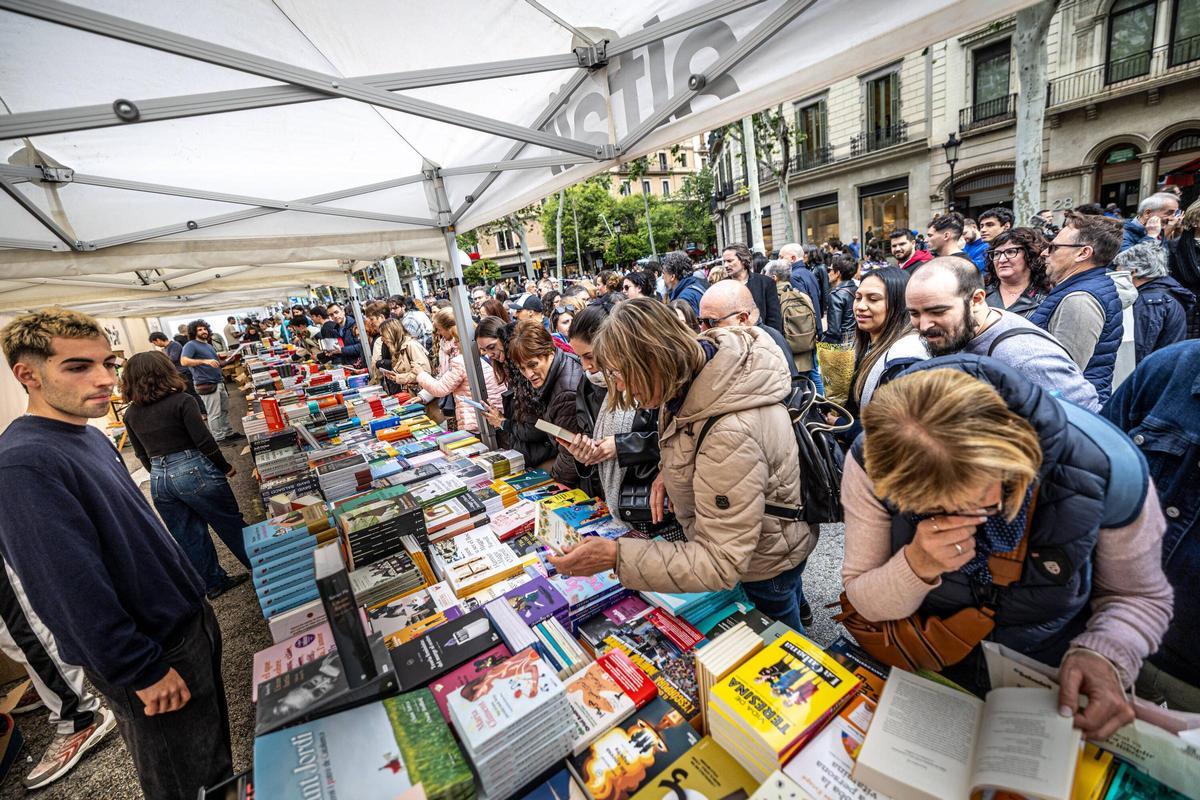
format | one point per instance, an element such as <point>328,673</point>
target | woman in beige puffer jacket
<point>719,494</point>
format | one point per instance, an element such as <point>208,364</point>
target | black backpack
<point>821,457</point>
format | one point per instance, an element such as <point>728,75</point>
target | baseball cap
<point>526,302</point>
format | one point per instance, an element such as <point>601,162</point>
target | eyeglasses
<point>712,322</point>
<point>1050,248</point>
<point>1005,255</point>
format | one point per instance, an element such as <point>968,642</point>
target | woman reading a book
<point>188,480</point>
<point>400,355</point>
<point>737,493</point>
<point>979,506</point>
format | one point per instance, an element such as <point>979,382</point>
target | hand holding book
<point>1086,673</point>
<point>591,556</point>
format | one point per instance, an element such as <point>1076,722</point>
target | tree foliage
<point>481,270</point>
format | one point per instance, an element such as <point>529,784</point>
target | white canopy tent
<point>149,147</point>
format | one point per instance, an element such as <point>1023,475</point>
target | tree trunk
<point>785,169</point>
<point>649,227</point>
<point>558,235</point>
<point>1033,22</point>
<point>751,156</point>
<point>519,228</point>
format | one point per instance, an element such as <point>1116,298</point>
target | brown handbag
<point>927,641</point>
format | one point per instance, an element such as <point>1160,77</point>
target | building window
<point>662,162</point>
<point>625,188</point>
<point>645,187</point>
<point>990,92</point>
<point>1130,39</point>
<point>818,219</point>
<point>884,208</point>
<point>505,240</point>
<point>1120,178</point>
<point>812,145</point>
<point>1185,32</point>
<point>883,105</point>
<point>682,158</point>
<point>666,188</point>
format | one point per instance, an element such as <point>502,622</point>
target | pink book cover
<point>289,654</point>
<point>456,679</point>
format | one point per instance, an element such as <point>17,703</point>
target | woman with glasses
<point>1016,274</point>
<point>560,325</point>
<point>638,283</point>
<point>451,380</point>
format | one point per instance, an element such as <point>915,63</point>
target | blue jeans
<point>815,375</point>
<point>190,495</point>
<point>780,597</point>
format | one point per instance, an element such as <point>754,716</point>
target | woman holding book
<point>977,502</point>
<point>451,379</point>
<point>188,473</point>
<point>401,355</point>
<point>729,463</point>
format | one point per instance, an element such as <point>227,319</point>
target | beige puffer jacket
<point>749,457</point>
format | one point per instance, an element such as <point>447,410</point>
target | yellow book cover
<point>786,692</point>
<point>560,500</point>
<point>705,772</point>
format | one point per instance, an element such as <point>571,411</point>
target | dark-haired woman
<point>1016,275</point>
<point>885,343</point>
<point>188,480</point>
<point>686,314</point>
<point>638,283</point>
<point>617,446</point>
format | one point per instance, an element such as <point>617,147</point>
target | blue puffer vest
<point>1095,281</point>
<point>1040,614</point>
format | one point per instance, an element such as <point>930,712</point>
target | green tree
<point>480,271</point>
<point>468,242</point>
<point>586,202</point>
<point>695,201</point>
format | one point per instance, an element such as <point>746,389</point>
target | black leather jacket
<point>840,325</point>
<point>557,396</point>
<point>637,450</point>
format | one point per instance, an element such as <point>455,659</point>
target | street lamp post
<point>951,147</point>
<point>617,229</point>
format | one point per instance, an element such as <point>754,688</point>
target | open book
<point>931,742</point>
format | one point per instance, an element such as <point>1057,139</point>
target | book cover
<point>671,667</point>
<point>289,654</point>
<point>421,627</point>
<point>471,671</point>
<point>629,677</point>
<point>705,772</point>
<point>683,635</point>
<point>442,649</point>
<point>822,767</point>
<point>504,695</point>
<point>626,757</point>
<point>597,704</point>
<point>397,615</point>
<point>784,693</point>
<point>428,748</point>
<point>536,600</point>
<point>873,674</point>
<point>355,750</point>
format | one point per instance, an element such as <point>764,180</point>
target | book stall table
<point>425,647</point>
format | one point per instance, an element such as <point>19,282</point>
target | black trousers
<point>176,754</point>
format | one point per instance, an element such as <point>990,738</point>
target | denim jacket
<point>1159,407</point>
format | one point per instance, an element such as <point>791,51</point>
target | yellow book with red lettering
<point>778,700</point>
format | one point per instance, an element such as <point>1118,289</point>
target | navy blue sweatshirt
<point>98,566</point>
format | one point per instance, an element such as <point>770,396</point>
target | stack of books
<point>344,476</point>
<point>454,516</point>
<point>435,762</point>
<point>516,519</point>
<point>721,656</point>
<point>515,722</point>
<point>493,503</point>
<point>501,464</point>
<point>388,579</point>
<point>470,473</point>
<point>662,647</point>
<point>588,594</point>
<point>536,600</point>
<point>698,607</point>
<point>438,490</point>
<point>560,647</point>
<point>289,654</point>
<point>276,463</point>
<point>280,552</point>
<point>453,682</point>
<point>373,525</point>
<point>593,630</point>
<point>513,630</point>
<point>767,709</point>
<point>442,649</point>
<point>598,703</point>
<point>473,561</point>
<point>510,487</point>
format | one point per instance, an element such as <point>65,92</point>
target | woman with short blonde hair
<point>727,388</point>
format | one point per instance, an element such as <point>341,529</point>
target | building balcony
<point>1088,86</point>
<point>989,112</point>
<point>812,158</point>
<point>870,141</point>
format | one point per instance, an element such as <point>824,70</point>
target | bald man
<point>729,304</point>
<point>949,310</point>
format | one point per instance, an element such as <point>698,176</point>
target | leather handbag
<point>634,503</point>
<point>927,641</point>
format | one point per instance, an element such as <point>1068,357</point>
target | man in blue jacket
<point>681,282</point>
<point>350,352</point>
<point>1159,407</point>
<point>803,280</point>
<point>1083,310</point>
<point>106,578</point>
<point>1156,213</point>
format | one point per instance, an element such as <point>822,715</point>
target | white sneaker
<point>66,749</point>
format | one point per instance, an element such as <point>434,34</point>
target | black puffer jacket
<point>637,450</point>
<point>557,398</point>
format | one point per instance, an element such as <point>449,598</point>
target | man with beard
<point>904,250</point>
<point>948,307</point>
<point>200,356</point>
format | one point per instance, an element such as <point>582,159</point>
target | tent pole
<point>361,321</point>
<point>461,304</point>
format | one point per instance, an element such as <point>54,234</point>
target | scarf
<point>612,474</point>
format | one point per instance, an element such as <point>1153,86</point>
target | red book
<point>270,407</point>
<point>632,680</point>
<point>683,635</point>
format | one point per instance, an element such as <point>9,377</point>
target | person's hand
<point>169,694</point>
<point>406,378</point>
<point>1091,674</point>
<point>603,450</point>
<point>1172,226</point>
<point>232,471</point>
<point>942,544</point>
<point>494,417</point>
<point>1154,226</point>
<point>212,362</point>
<point>580,448</point>
<point>594,554</point>
<point>658,496</point>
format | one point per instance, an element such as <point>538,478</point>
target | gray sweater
<point>1035,356</point>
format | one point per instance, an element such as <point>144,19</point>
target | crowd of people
<point>1019,465</point>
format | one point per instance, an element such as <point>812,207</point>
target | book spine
<point>341,611</point>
